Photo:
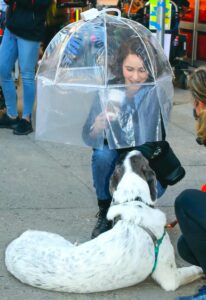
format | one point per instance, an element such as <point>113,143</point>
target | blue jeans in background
<point>103,165</point>
<point>11,49</point>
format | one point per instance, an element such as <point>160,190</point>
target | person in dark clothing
<point>190,208</point>
<point>190,205</point>
<point>25,25</point>
<point>182,3</point>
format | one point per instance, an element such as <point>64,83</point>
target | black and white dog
<point>120,257</point>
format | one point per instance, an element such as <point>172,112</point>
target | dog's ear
<point>152,182</point>
<point>140,166</point>
<point>116,177</point>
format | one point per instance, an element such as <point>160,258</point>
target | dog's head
<point>133,179</point>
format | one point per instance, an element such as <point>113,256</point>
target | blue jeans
<point>11,49</point>
<point>103,164</point>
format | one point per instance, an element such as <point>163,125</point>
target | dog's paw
<point>199,272</point>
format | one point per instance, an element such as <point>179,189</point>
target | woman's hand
<point>99,125</point>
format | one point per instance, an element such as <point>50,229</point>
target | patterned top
<point>3,5</point>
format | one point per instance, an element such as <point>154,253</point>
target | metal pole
<point>194,39</point>
<point>161,21</point>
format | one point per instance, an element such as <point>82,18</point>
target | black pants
<point>190,209</point>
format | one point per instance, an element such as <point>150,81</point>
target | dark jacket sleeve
<point>33,4</point>
<point>26,18</point>
<point>9,2</point>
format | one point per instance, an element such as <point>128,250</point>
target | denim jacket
<point>139,121</point>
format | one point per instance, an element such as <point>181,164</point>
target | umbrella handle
<point>93,13</point>
<point>112,9</point>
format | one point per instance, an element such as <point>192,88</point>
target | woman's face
<point>134,71</point>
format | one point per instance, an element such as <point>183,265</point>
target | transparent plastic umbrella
<point>80,80</point>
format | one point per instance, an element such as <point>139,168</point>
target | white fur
<point>131,185</point>
<point>120,257</point>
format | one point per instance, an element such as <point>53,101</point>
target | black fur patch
<point>140,166</point>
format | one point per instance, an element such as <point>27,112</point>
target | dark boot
<point>24,127</point>
<point>2,101</point>
<point>102,224</point>
<point>7,122</point>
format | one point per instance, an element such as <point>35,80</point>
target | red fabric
<point>201,45</point>
<point>14,6</point>
<point>203,188</point>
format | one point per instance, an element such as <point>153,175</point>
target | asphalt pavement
<point>48,186</point>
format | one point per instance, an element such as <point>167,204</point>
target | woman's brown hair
<point>133,45</point>
<point>197,86</point>
<point>201,127</point>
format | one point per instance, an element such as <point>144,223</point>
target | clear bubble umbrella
<point>85,97</point>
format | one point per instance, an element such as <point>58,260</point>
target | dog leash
<point>171,225</point>
<point>159,241</point>
<point>156,250</point>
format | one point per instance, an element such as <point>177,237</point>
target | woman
<point>190,205</point>
<point>128,119</point>
<point>25,21</point>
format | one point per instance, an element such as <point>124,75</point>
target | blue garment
<point>26,51</point>
<point>200,295</point>
<point>141,114</point>
<point>138,121</point>
<point>3,5</point>
<point>103,164</point>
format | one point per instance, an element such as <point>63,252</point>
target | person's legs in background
<point>190,209</point>
<point>2,26</point>
<point>27,56</point>
<point>8,54</point>
<point>160,189</point>
<point>103,164</point>
<point>185,251</point>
